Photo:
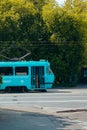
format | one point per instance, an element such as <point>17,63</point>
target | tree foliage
<point>53,32</point>
<point>68,31</point>
<point>16,19</point>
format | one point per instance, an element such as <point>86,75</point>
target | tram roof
<point>24,63</point>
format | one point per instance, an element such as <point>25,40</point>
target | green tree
<point>16,19</point>
<point>58,34</point>
<point>67,31</point>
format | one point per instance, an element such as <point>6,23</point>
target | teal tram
<point>26,75</point>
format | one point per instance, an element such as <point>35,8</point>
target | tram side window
<point>6,71</point>
<point>21,71</point>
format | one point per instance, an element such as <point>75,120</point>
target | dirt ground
<point>78,119</point>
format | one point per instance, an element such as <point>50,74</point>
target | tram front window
<point>48,70</point>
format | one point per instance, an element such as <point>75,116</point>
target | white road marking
<point>52,101</point>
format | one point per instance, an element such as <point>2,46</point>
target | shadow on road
<point>58,91</point>
<point>17,120</point>
<point>48,91</point>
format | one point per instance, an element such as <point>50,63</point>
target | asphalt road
<point>17,120</point>
<point>40,111</point>
<point>53,100</point>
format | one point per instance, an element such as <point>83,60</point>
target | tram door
<point>37,76</point>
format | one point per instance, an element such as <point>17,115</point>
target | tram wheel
<point>43,90</point>
<point>8,89</point>
<point>24,89</point>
